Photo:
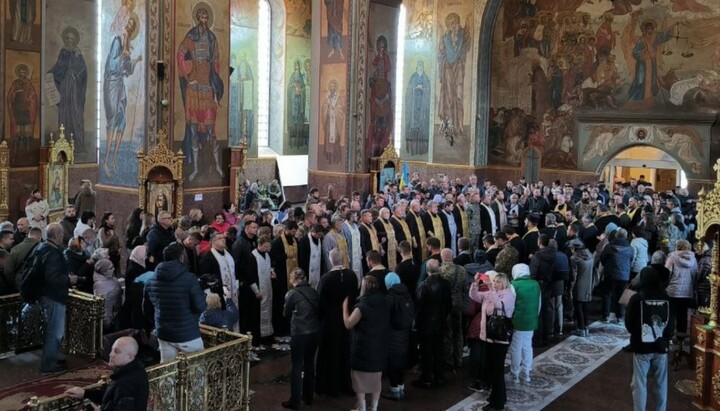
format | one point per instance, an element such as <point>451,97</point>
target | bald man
<point>128,387</point>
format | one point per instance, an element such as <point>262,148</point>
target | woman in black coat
<point>368,351</point>
<point>402,312</point>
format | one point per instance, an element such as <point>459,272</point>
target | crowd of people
<point>413,275</point>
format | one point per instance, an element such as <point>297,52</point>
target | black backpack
<point>29,277</point>
<point>403,313</point>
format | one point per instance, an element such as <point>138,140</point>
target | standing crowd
<point>414,275</point>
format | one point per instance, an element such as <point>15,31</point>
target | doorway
<point>646,163</point>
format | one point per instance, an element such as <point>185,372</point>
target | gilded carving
<point>55,170</point>
<point>153,33</point>
<point>708,215</point>
<point>4,176</point>
<point>699,375</point>
<point>716,388</point>
<point>701,336</point>
<point>161,157</point>
<point>216,378</point>
<point>360,58</point>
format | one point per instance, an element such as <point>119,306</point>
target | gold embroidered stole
<point>631,213</point>
<point>421,234</point>
<point>438,229</point>
<point>562,210</point>
<point>464,222</point>
<point>291,262</point>
<point>532,230</point>
<point>342,246</point>
<point>405,228</point>
<point>391,244</point>
<point>374,242</point>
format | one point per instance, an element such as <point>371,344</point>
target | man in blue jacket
<point>178,301</point>
<point>616,259</point>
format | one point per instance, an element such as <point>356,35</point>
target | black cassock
<point>333,360</point>
<point>278,258</point>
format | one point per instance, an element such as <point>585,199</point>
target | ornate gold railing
<point>216,378</point>
<point>84,324</point>
<point>21,325</point>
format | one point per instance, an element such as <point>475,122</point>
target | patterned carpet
<point>557,370</point>
<point>15,397</point>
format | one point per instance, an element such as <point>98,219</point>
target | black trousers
<point>679,312</point>
<point>478,361</point>
<point>396,376</point>
<point>302,354</point>
<point>496,370</point>
<point>611,297</point>
<point>432,357</point>
<point>581,314</point>
<point>546,319</point>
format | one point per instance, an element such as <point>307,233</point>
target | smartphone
<point>482,277</point>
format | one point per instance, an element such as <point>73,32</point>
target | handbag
<point>498,326</point>
<point>625,297</point>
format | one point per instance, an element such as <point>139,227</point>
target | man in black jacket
<point>53,297</point>
<point>541,269</point>
<point>434,302</point>
<point>128,388</point>
<point>178,301</point>
<point>160,236</point>
<point>301,308</point>
<point>647,320</point>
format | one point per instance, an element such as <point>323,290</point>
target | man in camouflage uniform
<point>473,213</point>
<point>456,276</point>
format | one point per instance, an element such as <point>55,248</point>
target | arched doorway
<point>645,163</point>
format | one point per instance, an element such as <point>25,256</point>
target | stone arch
<point>489,19</point>
<point>610,155</point>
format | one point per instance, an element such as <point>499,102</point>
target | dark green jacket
<point>527,304</point>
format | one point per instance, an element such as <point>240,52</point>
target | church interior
<point>190,105</point>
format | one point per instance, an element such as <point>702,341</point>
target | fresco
<point>242,97</point>
<point>382,46</point>
<point>202,57</point>
<point>333,104</point>
<point>298,68</point>
<point>122,117</point>
<point>22,25</point>
<point>418,96</point>
<point>553,59</point>
<point>335,44</point>
<point>22,114</point>
<point>70,79</point>
<point>333,122</point>
<point>299,17</point>
<point>686,144</point>
<point>454,55</point>
<point>243,100</point>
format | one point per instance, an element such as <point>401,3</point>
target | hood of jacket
<point>583,254</point>
<point>170,270</point>
<point>685,259</point>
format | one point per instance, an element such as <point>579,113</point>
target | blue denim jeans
<point>54,313</point>
<point>654,366</point>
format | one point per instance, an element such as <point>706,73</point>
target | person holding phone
<point>493,295</point>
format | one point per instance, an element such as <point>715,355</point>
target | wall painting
<point>122,117</point>
<point>453,99</point>
<point>554,59</point>
<point>70,77</point>
<point>202,53</point>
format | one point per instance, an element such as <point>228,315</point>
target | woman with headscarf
<point>109,238</point>
<point>107,286</point>
<point>402,313</point>
<point>369,321</point>
<point>131,315</point>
